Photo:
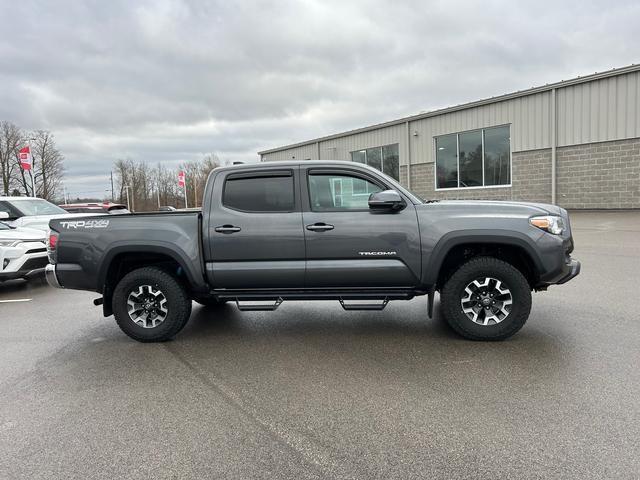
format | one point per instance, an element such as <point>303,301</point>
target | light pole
<point>185,194</point>
<point>195,193</point>
<point>33,183</point>
<point>126,189</point>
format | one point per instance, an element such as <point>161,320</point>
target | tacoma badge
<point>376,254</point>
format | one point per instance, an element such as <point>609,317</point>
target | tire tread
<point>450,301</point>
<point>179,309</point>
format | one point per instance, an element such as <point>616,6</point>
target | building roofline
<point>634,67</point>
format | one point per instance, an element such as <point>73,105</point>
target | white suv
<point>32,212</point>
<point>23,252</point>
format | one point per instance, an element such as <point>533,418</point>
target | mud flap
<point>432,293</point>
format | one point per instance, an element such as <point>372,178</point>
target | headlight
<point>14,242</point>
<point>10,243</point>
<point>548,223</point>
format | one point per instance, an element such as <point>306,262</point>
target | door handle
<point>227,229</point>
<point>319,227</point>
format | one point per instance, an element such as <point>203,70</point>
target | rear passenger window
<point>256,193</point>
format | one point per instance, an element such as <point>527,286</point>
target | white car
<point>32,212</point>
<point>23,252</point>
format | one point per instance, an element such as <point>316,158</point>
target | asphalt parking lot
<point>311,391</point>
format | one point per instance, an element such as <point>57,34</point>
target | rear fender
<point>190,267</point>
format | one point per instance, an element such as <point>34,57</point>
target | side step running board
<point>269,307</point>
<point>364,306</point>
<point>259,307</point>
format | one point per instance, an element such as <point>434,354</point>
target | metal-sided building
<point>575,143</point>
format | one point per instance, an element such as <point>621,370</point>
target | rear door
<point>255,230</point>
<point>349,245</point>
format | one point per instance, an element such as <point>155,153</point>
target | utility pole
<point>185,195</point>
<point>126,189</point>
<point>113,198</point>
<point>195,194</point>
<point>158,186</point>
<point>33,182</point>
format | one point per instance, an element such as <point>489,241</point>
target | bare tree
<point>196,177</point>
<point>123,173</point>
<point>47,164</point>
<point>166,185</point>
<point>10,141</point>
<point>152,187</point>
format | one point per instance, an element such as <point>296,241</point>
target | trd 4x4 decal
<point>68,224</point>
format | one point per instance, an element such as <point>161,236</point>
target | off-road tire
<point>178,304</point>
<point>454,290</point>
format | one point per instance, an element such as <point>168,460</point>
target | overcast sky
<point>171,81</point>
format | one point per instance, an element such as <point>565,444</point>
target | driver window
<point>339,192</point>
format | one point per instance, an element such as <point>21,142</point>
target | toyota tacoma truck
<point>316,230</point>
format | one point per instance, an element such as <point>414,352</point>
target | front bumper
<point>50,275</point>
<point>572,269</point>
<point>26,260</point>
<point>569,269</point>
<point>26,274</point>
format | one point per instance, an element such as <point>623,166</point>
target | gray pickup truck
<point>316,230</point>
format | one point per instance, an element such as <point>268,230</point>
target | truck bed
<point>89,247</point>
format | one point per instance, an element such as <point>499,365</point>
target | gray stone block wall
<point>531,181</point>
<point>600,175</point>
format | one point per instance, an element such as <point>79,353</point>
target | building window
<point>386,159</point>
<point>479,158</point>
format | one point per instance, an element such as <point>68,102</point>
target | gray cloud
<point>169,81</point>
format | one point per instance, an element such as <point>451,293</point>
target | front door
<point>255,230</point>
<point>349,245</point>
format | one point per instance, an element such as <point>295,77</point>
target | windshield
<point>36,206</point>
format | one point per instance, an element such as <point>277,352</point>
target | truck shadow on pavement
<point>404,325</point>
<point>302,320</point>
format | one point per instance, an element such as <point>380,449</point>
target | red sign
<point>25,158</point>
<point>182,179</point>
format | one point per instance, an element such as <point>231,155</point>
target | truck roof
<point>295,163</point>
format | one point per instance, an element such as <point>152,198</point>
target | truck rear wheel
<point>150,305</point>
<point>486,299</point>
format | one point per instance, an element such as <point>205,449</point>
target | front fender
<point>433,260</point>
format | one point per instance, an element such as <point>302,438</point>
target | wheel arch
<point>455,248</point>
<point>123,259</point>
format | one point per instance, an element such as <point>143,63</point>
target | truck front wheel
<point>150,305</point>
<point>486,299</point>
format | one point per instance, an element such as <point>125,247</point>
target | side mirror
<point>4,215</point>
<point>386,200</point>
